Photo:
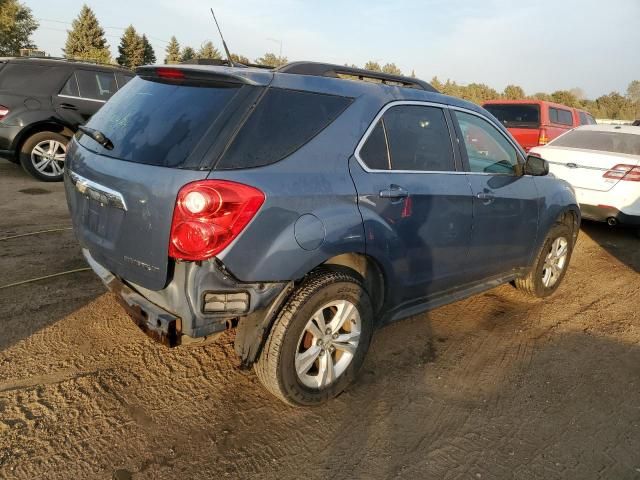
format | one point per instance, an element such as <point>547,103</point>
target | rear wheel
<point>318,341</point>
<point>43,154</point>
<point>551,264</point>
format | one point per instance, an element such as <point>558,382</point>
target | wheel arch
<point>253,330</point>
<point>37,127</point>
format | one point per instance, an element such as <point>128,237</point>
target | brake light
<point>170,73</point>
<point>4,111</point>
<point>209,215</point>
<point>542,138</point>
<point>629,173</point>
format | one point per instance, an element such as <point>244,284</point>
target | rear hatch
<point>166,126</point>
<point>591,159</point>
<point>522,121</point>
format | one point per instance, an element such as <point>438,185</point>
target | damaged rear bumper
<point>199,303</point>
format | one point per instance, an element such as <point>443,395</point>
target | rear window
<point>558,115</point>
<point>282,122</point>
<point>516,115</point>
<point>158,123</point>
<point>615,142</point>
<point>31,79</point>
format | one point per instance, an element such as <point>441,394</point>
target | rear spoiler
<point>205,74</point>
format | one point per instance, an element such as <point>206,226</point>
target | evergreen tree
<point>373,66</point>
<point>237,58</point>
<point>172,51</point>
<point>208,51</point>
<point>86,38</point>
<point>16,26</point>
<point>131,49</point>
<point>188,53</point>
<point>149,54</point>
<point>391,69</point>
<point>271,60</point>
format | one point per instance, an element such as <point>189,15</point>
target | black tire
<point>532,284</point>
<point>26,157</point>
<point>276,365</point>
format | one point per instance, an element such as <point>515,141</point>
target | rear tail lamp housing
<point>542,138</point>
<point>628,173</point>
<point>209,215</point>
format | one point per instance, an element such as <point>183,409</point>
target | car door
<point>415,201</point>
<point>83,94</point>
<point>505,202</point>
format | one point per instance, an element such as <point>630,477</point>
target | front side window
<point>487,149</point>
<point>96,85</point>
<point>412,138</point>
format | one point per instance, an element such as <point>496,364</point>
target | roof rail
<point>329,70</point>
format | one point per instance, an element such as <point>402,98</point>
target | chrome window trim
<point>95,191</point>
<point>82,98</point>
<point>373,124</point>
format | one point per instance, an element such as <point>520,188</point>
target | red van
<point>537,122</point>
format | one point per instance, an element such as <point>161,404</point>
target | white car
<point>602,163</point>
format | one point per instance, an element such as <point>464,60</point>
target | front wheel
<point>43,154</point>
<point>551,264</point>
<point>318,341</point>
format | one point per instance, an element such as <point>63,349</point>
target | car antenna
<point>224,44</point>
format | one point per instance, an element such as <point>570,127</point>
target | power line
<point>106,34</point>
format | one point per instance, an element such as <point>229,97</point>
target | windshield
<point>615,142</point>
<point>158,123</point>
<point>516,115</point>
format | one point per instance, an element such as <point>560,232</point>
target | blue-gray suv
<point>305,207</point>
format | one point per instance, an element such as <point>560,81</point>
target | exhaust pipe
<point>612,221</point>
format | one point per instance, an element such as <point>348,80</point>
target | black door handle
<point>394,191</point>
<point>68,106</point>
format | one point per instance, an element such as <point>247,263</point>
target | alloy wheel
<point>328,344</point>
<point>47,157</point>
<point>555,262</point>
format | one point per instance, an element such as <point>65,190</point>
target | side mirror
<point>536,166</point>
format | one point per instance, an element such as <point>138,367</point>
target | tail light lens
<point>629,173</point>
<point>209,215</point>
<point>4,111</point>
<point>542,138</point>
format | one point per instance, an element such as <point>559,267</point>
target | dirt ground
<point>496,386</point>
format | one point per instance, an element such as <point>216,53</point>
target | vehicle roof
<point>526,102</point>
<point>335,85</point>
<point>611,128</point>
<point>61,61</point>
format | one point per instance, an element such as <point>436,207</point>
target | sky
<point>541,45</point>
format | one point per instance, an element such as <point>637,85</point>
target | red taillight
<point>629,173</point>
<point>542,138</point>
<point>170,73</point>
<point>4,111</point>
<point>208,215</point>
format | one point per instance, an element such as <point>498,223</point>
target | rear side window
<point>586,119</point>
<point>626,143</point>
<point>122,79</point>
<point>412,138</point>
<point>32,79</point>
<point>159,123</point>
<point>96,85</point>
<point>561,116</point>
<point>516,115</point>
<point>71,87</point>
<point>283,121</point>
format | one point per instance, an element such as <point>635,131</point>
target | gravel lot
<point>496,386</point>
